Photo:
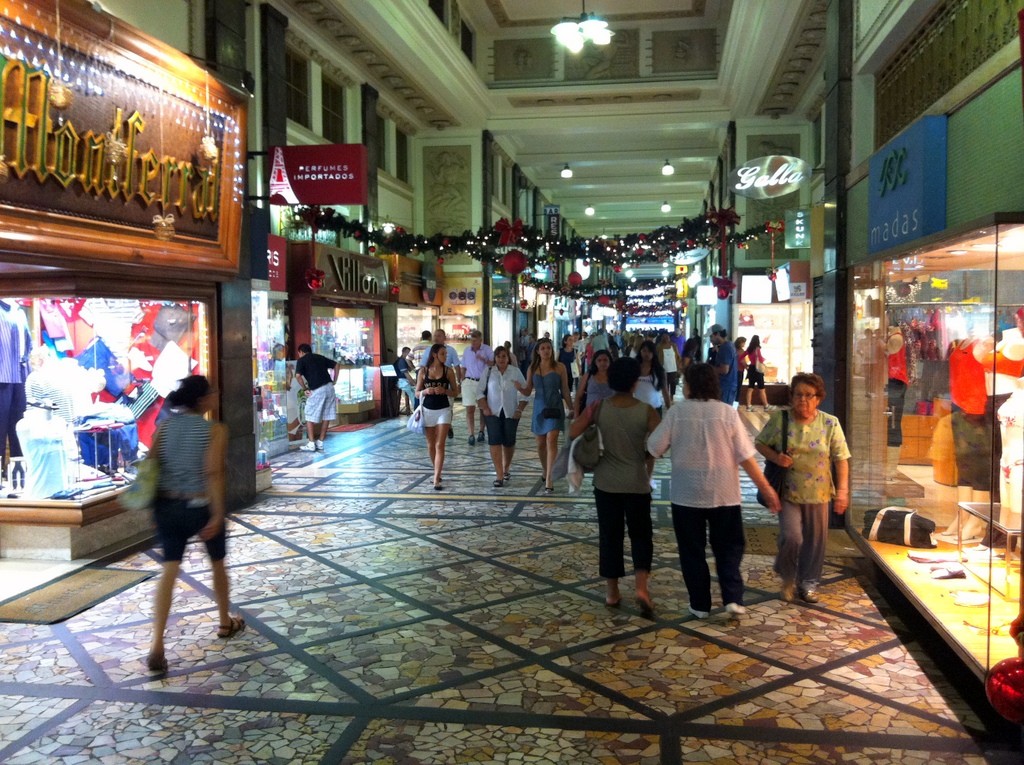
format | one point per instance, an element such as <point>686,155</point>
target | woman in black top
<point>567,356</point>
<point>436,384</point>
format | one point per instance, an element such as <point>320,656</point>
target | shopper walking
<point>316,375</point>
<point>191,452</point>
<point>709,444</point>
<point>815,445</point>
<point>551,380</point>
<point>670,359</point>
<point>622,482</point>
<point>594,384</point>
<point>476,359</point>
<point>436,384</point>
<point>452,360</point>
<point>725,363</point>
<point>755,374</point>
<point>652,387</point>
<point>501,409</point>
<point>406,376</point>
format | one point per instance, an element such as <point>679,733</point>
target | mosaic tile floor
<point>388,623</point>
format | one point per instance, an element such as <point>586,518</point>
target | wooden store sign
<point>137,132</point>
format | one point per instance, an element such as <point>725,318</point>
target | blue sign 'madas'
<point>907,197</point>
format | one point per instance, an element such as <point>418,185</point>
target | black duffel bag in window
<point>899,526</point>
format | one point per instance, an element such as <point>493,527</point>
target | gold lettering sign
<point>37,147</point>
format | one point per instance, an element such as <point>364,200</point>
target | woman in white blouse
<point>502,407</point>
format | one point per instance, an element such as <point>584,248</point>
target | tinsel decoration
<point>163,227</point>
<point>315,278</point>
<point>208,149</point>
<point>59,94</point>
<point>5,169</point>
<point>114,151</point>
<point>773,227</point>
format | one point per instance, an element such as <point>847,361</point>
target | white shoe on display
<point>309,446</point>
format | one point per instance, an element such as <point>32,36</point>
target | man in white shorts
<point>475,360</point>
<point>316,374</point>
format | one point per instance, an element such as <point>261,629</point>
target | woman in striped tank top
<point>191,451</point>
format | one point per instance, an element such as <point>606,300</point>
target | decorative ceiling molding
<point>374,60</point>
<point>612,99</point>
<point>385,111</point>
<point>329,68</point>
<point>798,67</point>
<point>502,19</point>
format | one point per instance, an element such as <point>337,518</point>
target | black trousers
<point>12,409</point>
<point>615,514</point>
<point>692,525</point>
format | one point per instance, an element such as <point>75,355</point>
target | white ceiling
<point>616,135</point>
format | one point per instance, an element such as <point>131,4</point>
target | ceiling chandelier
<point>573,33</point>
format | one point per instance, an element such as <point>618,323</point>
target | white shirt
<point>500,392</point>
<point>452,359</point>
<point>708,443</point>
<point>476,362</point>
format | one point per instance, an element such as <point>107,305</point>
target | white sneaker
<point>750,409</point>
<point>319,445</point>
<point>698,614</point>
<point>309,446</point>
<point>735,609</point>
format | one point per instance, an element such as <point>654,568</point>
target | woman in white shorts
<point>435,383</point>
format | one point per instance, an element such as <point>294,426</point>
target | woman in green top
<point>622,481</point>
<point>815,443</point>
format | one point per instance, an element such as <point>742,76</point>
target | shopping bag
<point>141,494</point>
<point>415,422</point>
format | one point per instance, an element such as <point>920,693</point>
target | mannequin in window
<point>1011,463</point>
<point>896,389</point>
<point>15,344</point>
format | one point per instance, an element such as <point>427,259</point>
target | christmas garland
<point>541,250</point>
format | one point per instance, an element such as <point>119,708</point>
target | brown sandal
<point>236,625</point>
<point>157,662</point>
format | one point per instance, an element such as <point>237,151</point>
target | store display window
<point>348,335</point>
<point>937,425</point>
<point>785,333</point>
<point>95,373</point>
<point>273,377</point>
<point>412,321</point>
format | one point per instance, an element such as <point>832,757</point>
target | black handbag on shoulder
<point>773,473</point>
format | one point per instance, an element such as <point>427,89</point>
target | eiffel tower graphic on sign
<point>280,187</point>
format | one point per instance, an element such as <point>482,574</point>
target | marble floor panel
<point>393,624</point>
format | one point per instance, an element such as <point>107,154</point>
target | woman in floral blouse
<point>815,443</point>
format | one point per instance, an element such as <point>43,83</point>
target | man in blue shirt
<point>725,363</point>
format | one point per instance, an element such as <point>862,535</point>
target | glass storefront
<point>349,336</point>
<point>273,377</point>
<point>98,371</point>
<point>936,426</point>
<point>412,321</point>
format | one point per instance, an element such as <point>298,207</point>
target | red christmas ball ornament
<point>440,260</point>
<point>617,269</point>
<point>372,250</point>
<point>523,304</point>
<point>395,289</point>
<point>772,275</point>
<point>446,241</point>
<point>1004,687</point>
<point>314,278</point>
<point>642,237</point>
<point>575,279</point>
<point>514,262</point>
<point>723,293</point>
<point>603,300</point>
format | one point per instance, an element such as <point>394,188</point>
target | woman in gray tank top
<point>622,482</point>
<point>191,452</point>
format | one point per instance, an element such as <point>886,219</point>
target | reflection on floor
<point>391,623</point>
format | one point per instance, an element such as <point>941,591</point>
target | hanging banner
<point>277,271</point>
<point>325,174</point>
<point>798,228</point>
<point>552,220</point>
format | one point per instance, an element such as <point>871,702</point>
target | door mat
<point>761,540</point>
<point>68,595</point>
<point>350,428</point>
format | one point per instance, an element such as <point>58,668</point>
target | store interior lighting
<point>667,168</point>
<point>589,210</point>
<point>666,207</point>
<point>567,172</point>
<point>589,27</point>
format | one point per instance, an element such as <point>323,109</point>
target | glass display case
<point>271,377</point>
<point>344,334</point>
<point>936,424</point>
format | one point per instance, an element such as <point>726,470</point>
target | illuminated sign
<point>798,229</point>
<point>769,177</point>
<point>321,174</point>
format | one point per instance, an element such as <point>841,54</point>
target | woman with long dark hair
<point>652,387</point>
<point>436,383</point>
<point>594,384</point>
<point>551,380</point>
<point>755,376</point>
<point>191,451</point>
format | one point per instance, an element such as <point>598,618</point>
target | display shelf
<point>1002,574</point>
